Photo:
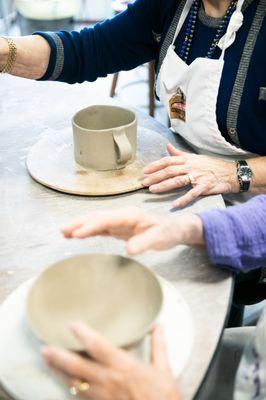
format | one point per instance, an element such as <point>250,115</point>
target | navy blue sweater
<point>131,39</point>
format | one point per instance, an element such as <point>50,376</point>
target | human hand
<point>4,49</point>
<point>32,56</point>
<point>141,230</point>
<point>207,175</point>
<point>111,373</point>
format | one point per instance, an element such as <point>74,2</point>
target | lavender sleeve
<point>236,237</point>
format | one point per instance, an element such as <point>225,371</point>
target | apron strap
<point>182,18</point>
<point>179,19</point>
<point>168,40</point>
<point>238,88</point>
<point>234,25</point>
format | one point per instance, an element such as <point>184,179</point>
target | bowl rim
<point>124,344</point>
<point>105,130</point>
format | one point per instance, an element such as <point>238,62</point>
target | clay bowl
<point>117,296</point>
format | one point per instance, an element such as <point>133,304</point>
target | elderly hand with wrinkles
<point>207,175</point>
<point>111,373</point>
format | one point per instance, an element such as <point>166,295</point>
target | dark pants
<point>249,289</point>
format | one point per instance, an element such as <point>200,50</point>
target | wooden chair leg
<point>114,84</point>
<point>151,89</point>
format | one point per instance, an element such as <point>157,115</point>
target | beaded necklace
<point>190,30</point>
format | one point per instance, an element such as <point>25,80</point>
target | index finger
<point>67,230</point>
<point>97,346</point>
<point>163,163</point>
<point>72,364</point>
<point>98,223</point>
<point>190,196</point>
<point>106,222</point>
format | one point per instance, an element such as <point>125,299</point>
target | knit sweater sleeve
<point>236,237</point>
<point>116,44</point>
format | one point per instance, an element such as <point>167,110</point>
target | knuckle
<point>165,160</point>
<point>169,161</point>
<point>194,196</point>
<point>75,367</point>
<point>182,203</point>
<point>177,181</point>
<point>171,170</point>
<point>208,186</point>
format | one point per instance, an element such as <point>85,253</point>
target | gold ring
<point>79,387</point>
<point>191,179</point>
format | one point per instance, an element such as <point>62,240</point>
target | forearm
<point>188,229</point>
<point>116,44</point>
<point>121,43</point>
<point>236,237</point>
<point>258,181</point>
<point>33,54</point>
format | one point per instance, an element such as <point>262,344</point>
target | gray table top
<point>31,215</point>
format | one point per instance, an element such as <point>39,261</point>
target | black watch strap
<point>242,163</point>
<point>244,185</point>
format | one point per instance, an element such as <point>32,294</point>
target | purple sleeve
<point>236,237</point>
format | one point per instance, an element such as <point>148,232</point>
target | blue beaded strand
<point>190,30</point>
<point>222,29</point>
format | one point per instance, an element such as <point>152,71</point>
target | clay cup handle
<point>123,147</point>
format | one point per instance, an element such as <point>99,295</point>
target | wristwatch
<point>244,175</point>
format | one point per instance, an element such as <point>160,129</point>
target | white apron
<point>198,85</point>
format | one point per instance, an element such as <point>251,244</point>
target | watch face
<point>245,172</point>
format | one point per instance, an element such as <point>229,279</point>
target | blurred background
<point>22,17</point>
<point>25,16</point>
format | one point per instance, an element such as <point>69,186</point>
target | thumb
<point>173,151</point>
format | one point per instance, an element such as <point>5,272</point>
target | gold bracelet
<point>12,56</point>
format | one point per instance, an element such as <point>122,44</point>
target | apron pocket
<point>262,95</point>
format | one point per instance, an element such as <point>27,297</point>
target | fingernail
<point>74,325</point>
<point>132,249</point>
<point>75,235</point>
<point>67,235</point>
<point>45,351</point>
<point>145,182</point>
<point>154,188</point>
<point>78,327</point>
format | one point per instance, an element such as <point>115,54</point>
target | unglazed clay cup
<point>117,296</point>
<point>105,137</point>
